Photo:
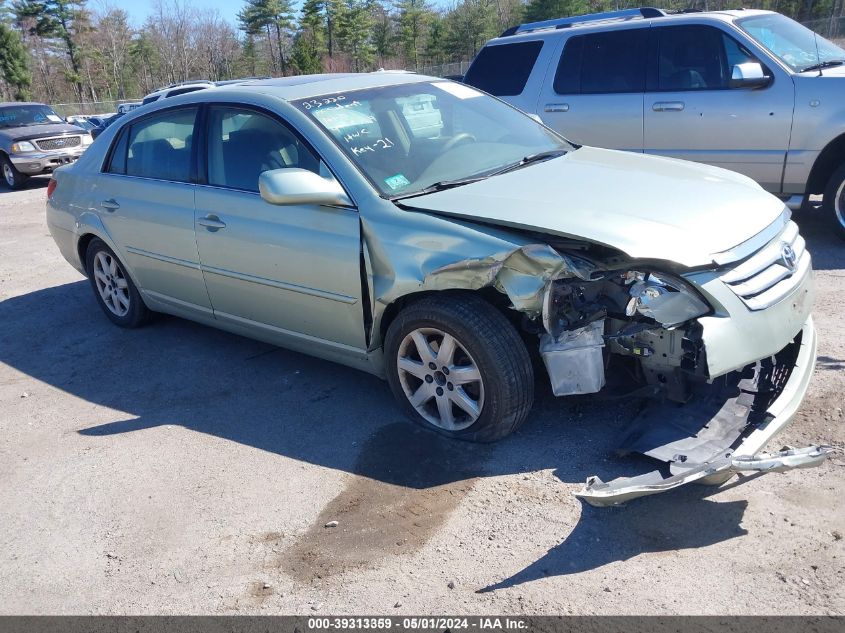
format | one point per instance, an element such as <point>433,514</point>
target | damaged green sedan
<point>433,235</point>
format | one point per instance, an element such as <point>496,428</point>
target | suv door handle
<point>212,223</point>
<point>556,107</point>
<point>110,205</point>
<point>668,106</point>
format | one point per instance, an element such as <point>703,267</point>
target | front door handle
<point>212,223</point>
<point>556,107</point>
<point>110,205</point>
<point>668,106</point>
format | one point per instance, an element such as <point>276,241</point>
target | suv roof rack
<point>608,16</point>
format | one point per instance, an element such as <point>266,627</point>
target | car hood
<point>646,206</point>
<point>25,132</point>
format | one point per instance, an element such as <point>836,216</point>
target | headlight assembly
<point>87,139</point>
<point>668,301</point>
<point>22,146</point>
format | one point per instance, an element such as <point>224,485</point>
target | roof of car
<point>303,86</point>
<point>20,103</point>
<point>598,24</point>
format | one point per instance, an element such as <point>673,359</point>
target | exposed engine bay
<point>592,308</point>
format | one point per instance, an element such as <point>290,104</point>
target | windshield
<point>20,115</point>
<point>413,137</point>
<point>797,46</point>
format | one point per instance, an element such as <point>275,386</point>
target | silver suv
<point>750,91</point>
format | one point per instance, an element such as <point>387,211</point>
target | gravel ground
<point>179,469</point>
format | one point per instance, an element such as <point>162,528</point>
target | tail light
<point>51,187</point>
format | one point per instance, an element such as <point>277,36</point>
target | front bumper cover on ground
<point>721,431</point>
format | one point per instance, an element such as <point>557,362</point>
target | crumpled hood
<point>646,206</point>
<point>24,132</point>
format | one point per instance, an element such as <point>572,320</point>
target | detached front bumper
<point>35,163</point>
<point>723,432</point>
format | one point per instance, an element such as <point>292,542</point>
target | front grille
<point>766,277</point>
<point>60,142</point>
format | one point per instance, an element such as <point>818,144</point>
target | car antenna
<point>818,56</point>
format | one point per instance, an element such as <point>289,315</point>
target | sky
<point>138,10</point>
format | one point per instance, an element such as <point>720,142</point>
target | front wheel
<point>11,176</point>
<point>458,367</point>
<point>833,200</point>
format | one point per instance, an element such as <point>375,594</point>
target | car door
<point>291,271</point>
<point>145,199</point>
<point>595,96</point>
<point>693,113</point>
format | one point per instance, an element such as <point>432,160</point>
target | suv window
<point>503,70</point>
<point>243,143</point>
<point>697,58</point>
<point>602,63</point>
<point>157,147</point>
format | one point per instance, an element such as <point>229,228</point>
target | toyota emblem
<point>788,257</point>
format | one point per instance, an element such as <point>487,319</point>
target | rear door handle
<point>110,205</point>
<point>668,106</point>
<point>212,223</point>
<point>556,107</point>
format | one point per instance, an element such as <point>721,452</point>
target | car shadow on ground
<point>826,247</point>
<point>173,372</point>
<point>33,182</point>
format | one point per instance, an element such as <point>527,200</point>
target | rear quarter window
<point>503,70</point>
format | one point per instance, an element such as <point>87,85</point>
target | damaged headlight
<point>668,301</point>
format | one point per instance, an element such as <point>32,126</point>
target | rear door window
<point>160,146</point>
<point>503,70</point>
<point>603,63</point>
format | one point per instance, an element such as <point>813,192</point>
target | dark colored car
<point>35,140</point>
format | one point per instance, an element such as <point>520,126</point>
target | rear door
<point>291,271</point>
<point>595,95</point>
<point>145,199</point>
<point>692,112</point>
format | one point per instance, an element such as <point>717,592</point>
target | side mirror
<point>291,185</point>
<point>749,75</point>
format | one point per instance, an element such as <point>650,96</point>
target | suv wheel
<point>11,176</point>
<point>833,200</point>
<point>458,367</point>
<point>113,288</point>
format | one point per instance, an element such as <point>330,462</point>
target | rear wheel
<point>458,367</point>
<point>11,176</point>
<point>117,295</point>
<point>833,201</point>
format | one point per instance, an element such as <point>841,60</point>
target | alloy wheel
<point>440,379</point>
<point>839,204</point>
<point>8,174</point>
<point>111,283</point>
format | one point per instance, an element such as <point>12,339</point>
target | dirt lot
<point>179,469</point>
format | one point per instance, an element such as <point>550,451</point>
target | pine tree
<point>414,17</point>
<point>14,67</point>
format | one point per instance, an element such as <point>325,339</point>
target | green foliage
<point>14,67</point>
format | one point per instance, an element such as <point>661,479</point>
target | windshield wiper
<point>440,185</point>
<point>830,63</point>
<point>528,160</point>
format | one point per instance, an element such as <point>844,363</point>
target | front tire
<point>113,288</point>
<point>833,200</point>
<point>458,367</point>
<point>11,176</point>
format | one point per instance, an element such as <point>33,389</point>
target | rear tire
<point>458,367</point>
<point>11,176</point>
<point>113,288</point>
<point>833,200</point>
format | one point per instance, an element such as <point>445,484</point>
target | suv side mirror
<point>749,75</point>
<point>291,185</point>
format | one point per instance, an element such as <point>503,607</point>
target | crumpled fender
<point>522,274</point>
